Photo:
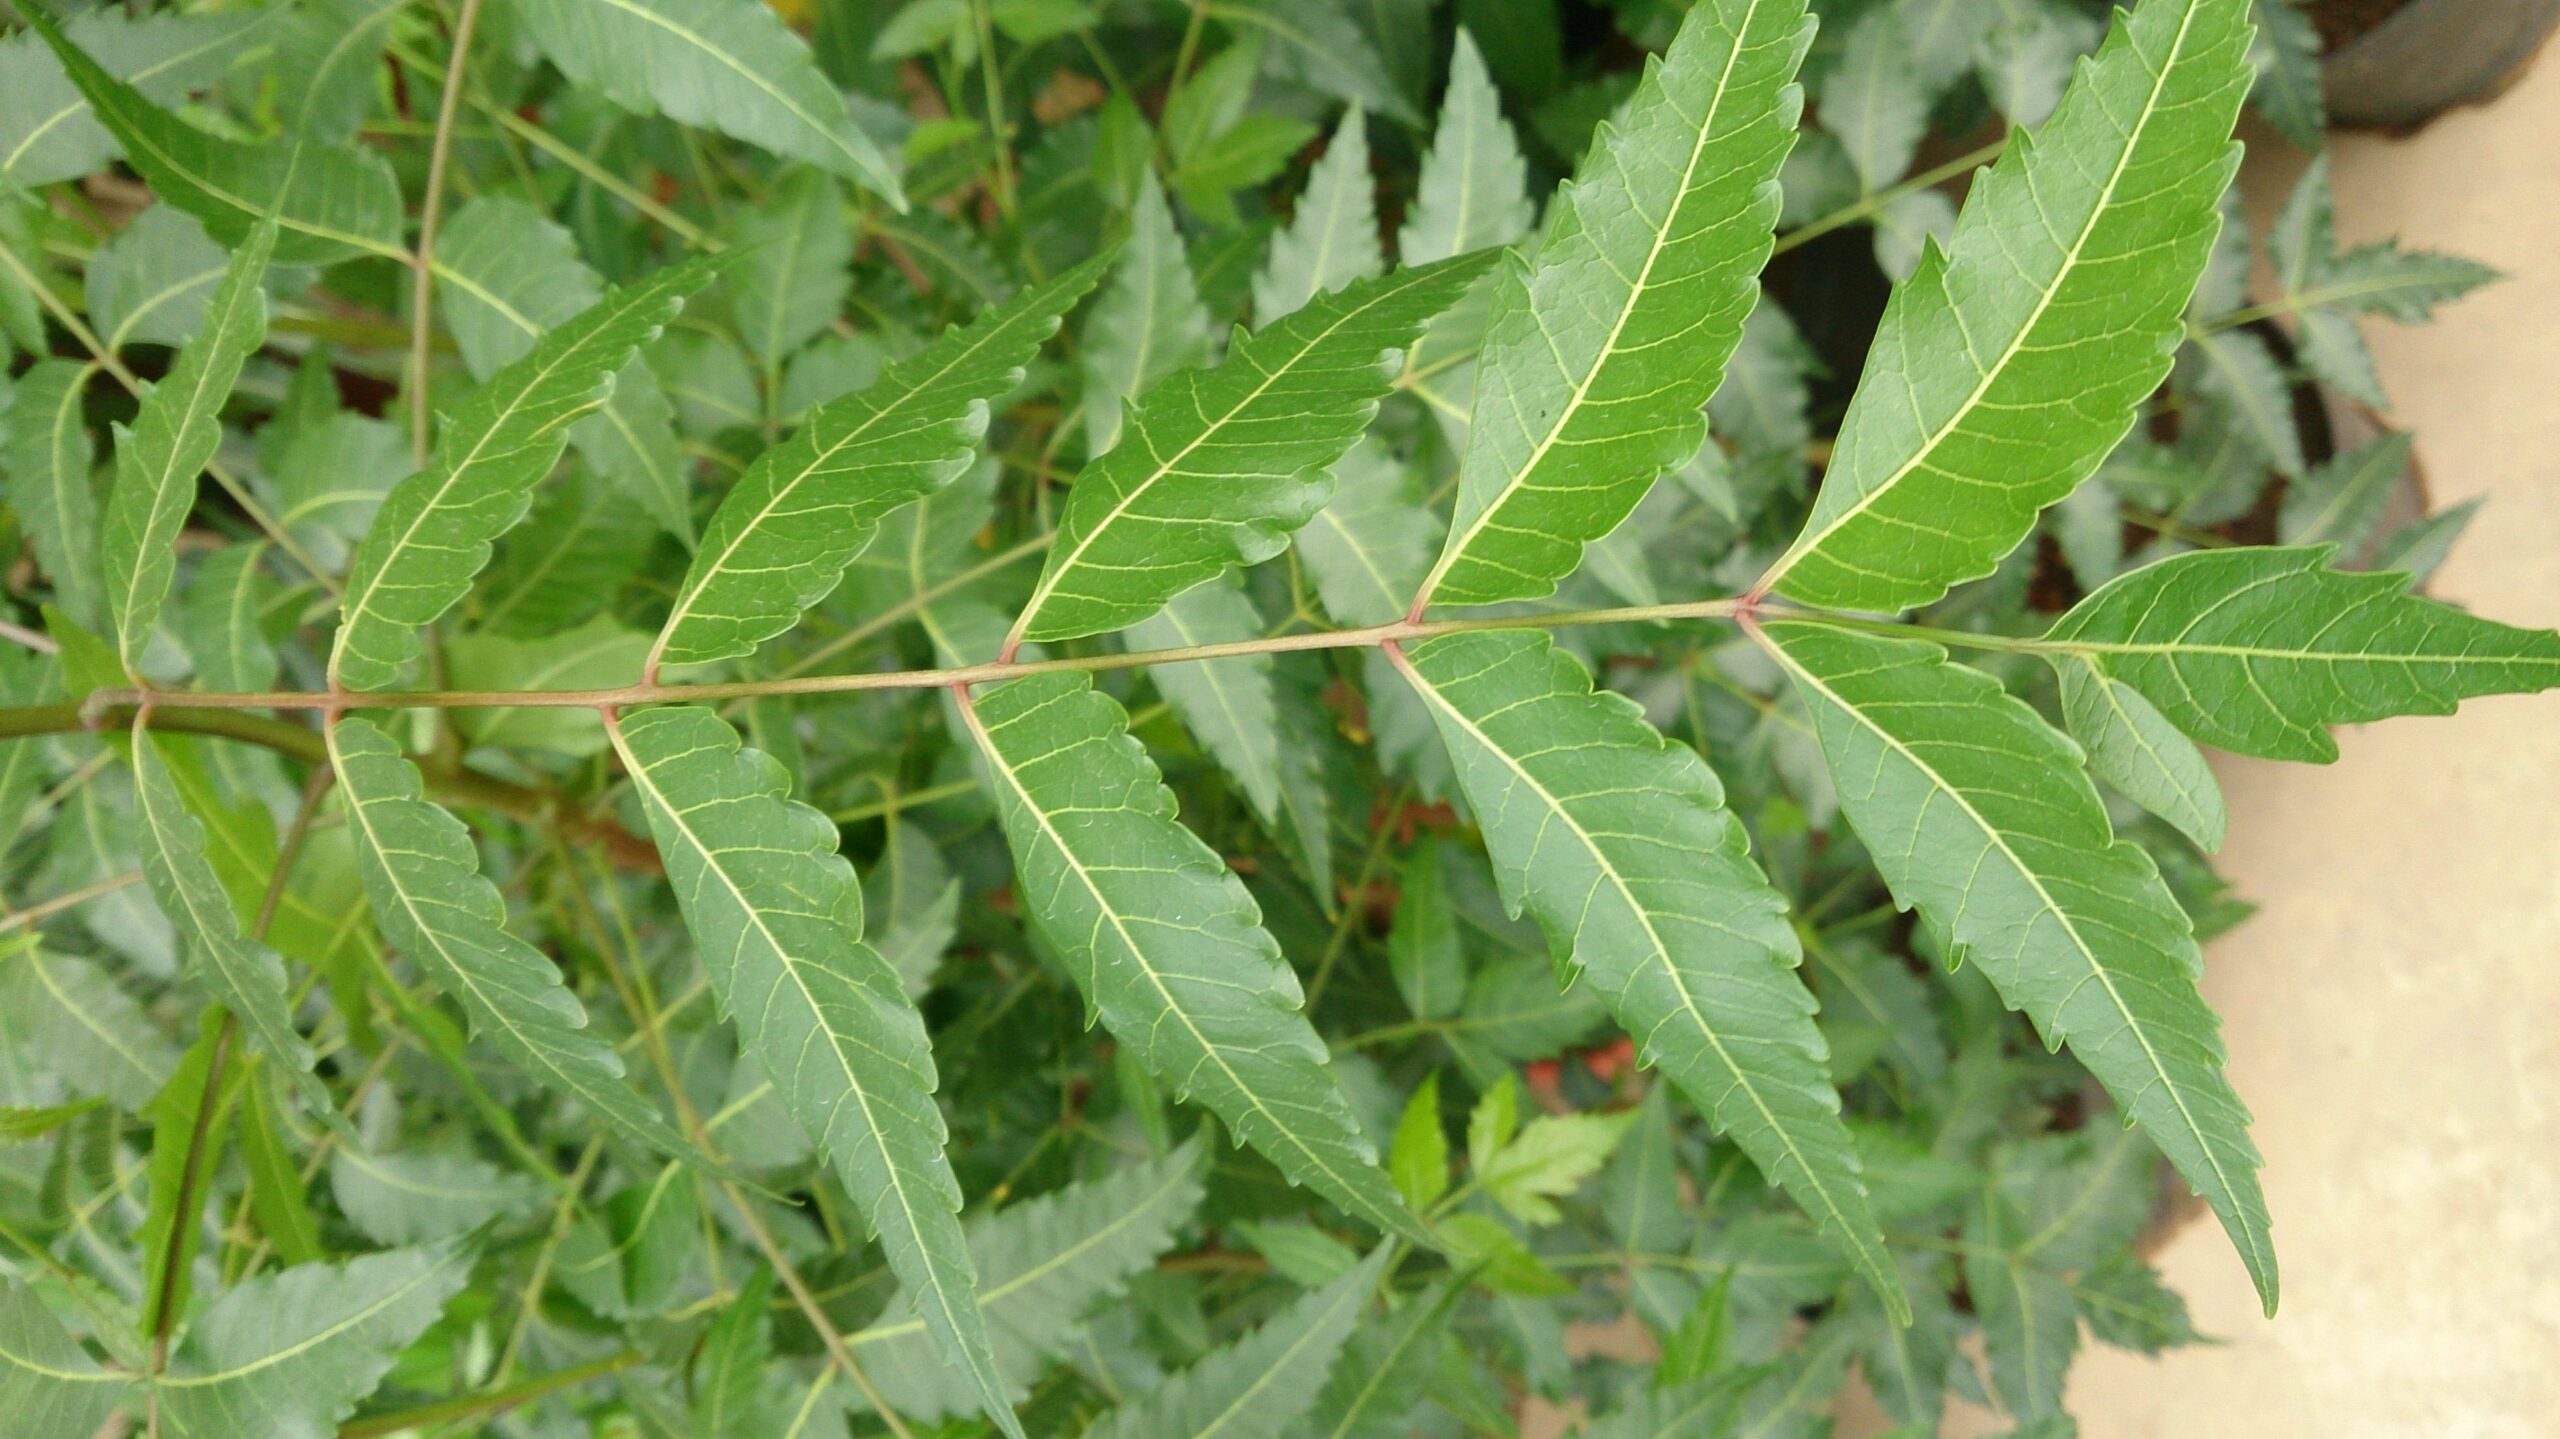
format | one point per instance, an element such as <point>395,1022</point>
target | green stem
<point>1869,204</point>
<point>489,1402</point>
<point>422,292</point>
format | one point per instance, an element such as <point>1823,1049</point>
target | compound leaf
<point>433,532</point>
<point>1978,815</point>
<point>2011,362</point>
<point>1601,352</point>
<point>2257,650</point>
<point>1163,939</point>
<point>778,915</point>
<point>1618,842</point>
<point>1219,464</point>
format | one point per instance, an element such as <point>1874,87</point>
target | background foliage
<point>631,1109</point>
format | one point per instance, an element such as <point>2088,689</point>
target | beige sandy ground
<point>2394,1010</point>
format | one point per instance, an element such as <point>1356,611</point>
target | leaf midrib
<point>1661,951</point>
<point>1459,544</point>
<point>997,764</point>
<point>790,964</point>
<point>2097,970</point>
<point>1993,372</point>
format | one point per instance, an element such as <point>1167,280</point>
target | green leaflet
<point>1162,938</point>
<point>238,973</point>
<point>1258,1386</point>
<point>778,915</point>
<point>328,202</point>
<point>1618,842</point>
<point>46,452</point>
<point>173,437</point>
<point>423,878</point>
<point>1228,705</point>
<point>1386,1369</point>
<point>91,1037</point>
<point>288,1355</point>
<point>781,540</point>
<point>47,132</point>
<point>433,532</point>
<point>2133,746</point>
<point>1371,543</point>
<point>1043,1264</point>
<point>50,1387</point>
<point>150,283</point>
<point>726,65</point>
<point>2340,502</point>
<point>2010,363</point>
<point>1332,237</point>
<point>1602,350</point>
<point>794,264</point>
<point>2256,650</point>
<point>1977,815</point>
<point>1220,464</point>
<point>506,274</point>
<point>1147,323</point>
<point>1473,189</point>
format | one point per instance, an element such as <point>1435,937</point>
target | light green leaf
<point>1315,43</point>
<point>2255,650</point>
<point>508,273</point>
<point>2007,367</point>
<point>726,65</point>
<point>794,265</point>
<point>1423,949</point>
<point>2287,57</point>
<point>1332,237</point>
<point>1163,940</point>
<point>240,974</point>
<point>1043,1264</point>
<point>330,478</point>
<point>1473,192</point>
<point>1221,464</point>
<point>288,1355</point>
<point>173,437</point>
<point>781,540</point>
<point>47,132</point>
<point>423,878</point>
<point>1873,101</point>
<point>1618,842</point>
<point>433,532</point>
<point>778,916</point>
<point>599,654</point>
<point>46,452</point>
<point>1147,323</point>
<point>414,1195</point>
<point>70,1022</point>
<point>1371,544</point>
<point>1386,1370</point>
<point>2132,746</point>
<point>150,283</point>
<point>49,1385</point>
<point>2340,501</point>
<point>1547,1160</point>
<point>1228,705</point>
<point>1601,352</point>
<point>1258,1386</point>
<point>328,202</point>
<point>1418,1156</point>
<point>1977,815</point>
<point>275,1189</point>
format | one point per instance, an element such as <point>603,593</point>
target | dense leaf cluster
<point>874,725</point>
